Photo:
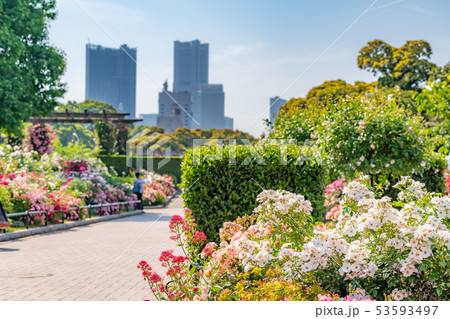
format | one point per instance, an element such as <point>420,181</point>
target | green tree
<point>139,128</point>
<point>89,105</point>
<point>82,133</point>
<point>434,101</point>
<point>375,136</point>
<point>333,91</point>
<point>30,68</point>
<point>71,133</point>
<point>294,105</point>
<point>408,66</point>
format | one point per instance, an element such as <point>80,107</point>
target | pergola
<point>86,117</point>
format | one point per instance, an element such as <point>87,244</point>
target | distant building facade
<point>111,76</point>
<point>174,110</point>
<point>148,119</point>
<point>191,69</point>
<point>191,74</point>
<point>191,65</point>
<point>275,104</point>
<point>229,123</point>
<point>211,106</point>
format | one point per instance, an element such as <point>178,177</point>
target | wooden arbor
<point>118,119</point>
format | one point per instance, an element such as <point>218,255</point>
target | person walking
<point>138,189</point>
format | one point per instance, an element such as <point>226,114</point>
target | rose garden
<point>344,204</point>
<point>344,197</point>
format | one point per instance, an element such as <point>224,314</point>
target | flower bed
<point>31,181</point>
<point>375,249</point>
<point>156,192</point>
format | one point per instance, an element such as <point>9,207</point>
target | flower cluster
<point>158,190</point>
<point>181,283</point>
<point>333,192</point>
<point>40,138</point>
<point>371,237</point>
<point>37,192</point>
<point>386,250</point>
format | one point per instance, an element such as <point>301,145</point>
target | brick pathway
<point>62,265</point>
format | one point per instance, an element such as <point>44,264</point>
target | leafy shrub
<point>105,137</point>
<point>217,191</point>
<point>373,136</point>
<point>297,123</point>
<point>432,175</point>
<point>271,290</point>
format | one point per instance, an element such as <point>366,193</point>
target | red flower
<point>179,259</point>
<point>176,221</point>
<point>199,237</point>
<point>166,255</point>
<point>154,278</point>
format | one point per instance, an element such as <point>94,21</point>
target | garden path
<point>94,262</point>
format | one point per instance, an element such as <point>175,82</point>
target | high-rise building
<point>111,76</point>
<point>191,69</point>
<point>275,104</point>
<point>191,65</point>
<point>211,106</point>
<point>174,110</point>
<point>229,123</point>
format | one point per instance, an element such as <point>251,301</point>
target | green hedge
<point>119,163</point>
<point>217,192</point>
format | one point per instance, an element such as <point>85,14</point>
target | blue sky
<point>257,48</point>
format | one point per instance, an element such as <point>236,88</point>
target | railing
<point>89,208</point>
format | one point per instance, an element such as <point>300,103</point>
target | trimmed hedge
<point>119,163</point>
<point>217,191</point>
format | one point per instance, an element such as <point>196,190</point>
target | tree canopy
<point>30,68</point>
<point>332,91</point>
<point>82,133</point>
<point>182,139</point>
<point>408,66</point>
<point>89,105</point>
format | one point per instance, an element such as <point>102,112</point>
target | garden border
<point>58,227</point>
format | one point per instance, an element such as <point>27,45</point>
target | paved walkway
<point>68,265</point>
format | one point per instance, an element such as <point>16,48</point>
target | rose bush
<point>158,190</point>
<point>40,138</point>
<point>31,180</point>
<point>376,249</point>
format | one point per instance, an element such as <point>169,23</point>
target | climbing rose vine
<point>40,138</point>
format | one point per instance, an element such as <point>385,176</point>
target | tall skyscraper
<point>191,65</point>
<point>191,69</point>
<point>211,104</point>
<point>111,76</point>
<point>275,104</point>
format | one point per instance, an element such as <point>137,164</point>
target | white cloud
<point>235,51</point>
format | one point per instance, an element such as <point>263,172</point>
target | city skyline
<point>257,56</point>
